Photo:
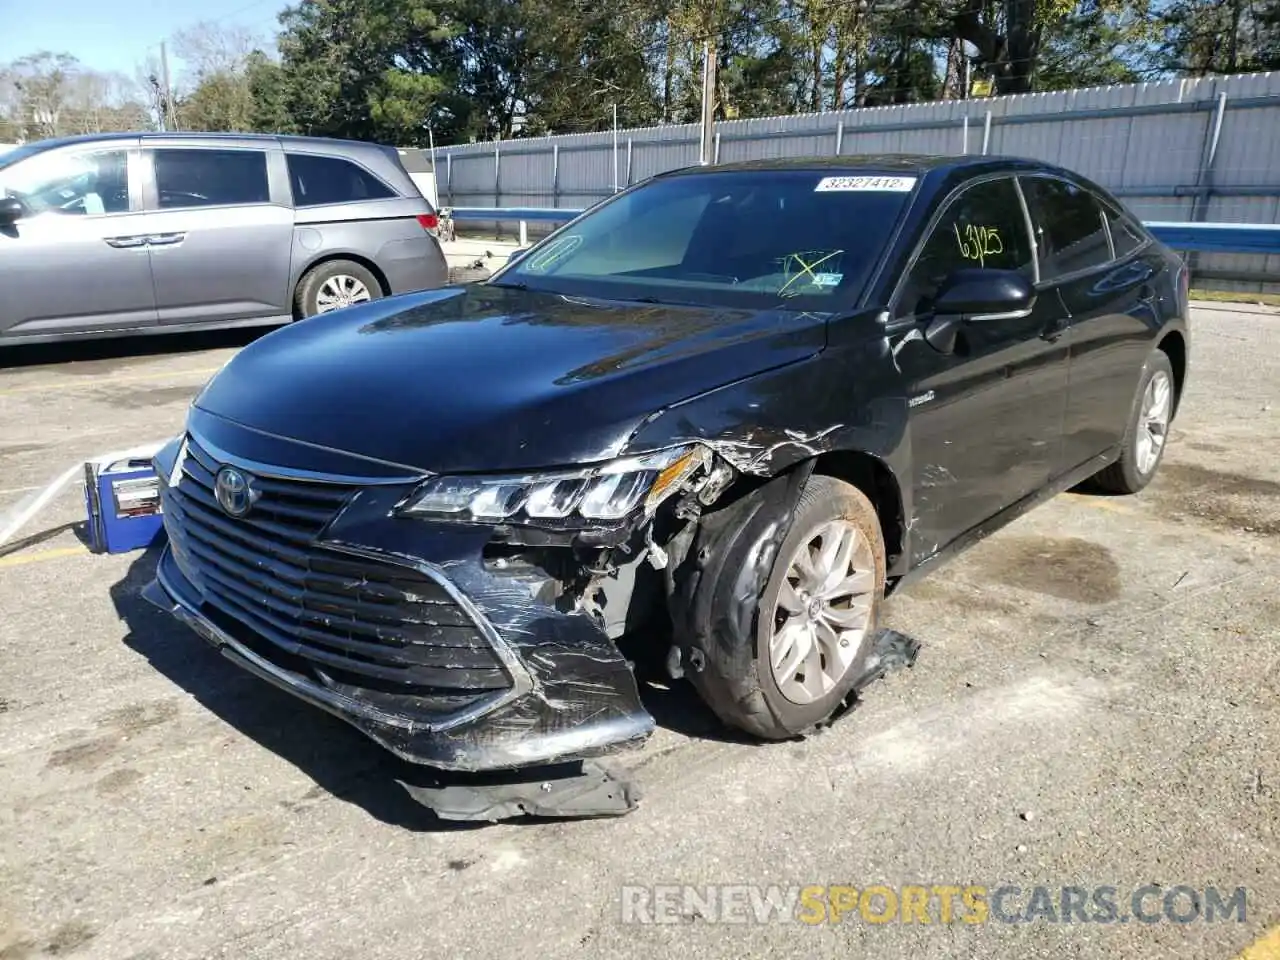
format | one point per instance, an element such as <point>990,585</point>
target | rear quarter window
<point>318,180</point>
<point>1126,235</point>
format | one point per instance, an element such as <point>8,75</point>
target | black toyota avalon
<point>725,412</point>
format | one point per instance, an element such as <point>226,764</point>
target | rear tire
<point>1147,434</point>
<point>766,685</point>
<point>335,284</point>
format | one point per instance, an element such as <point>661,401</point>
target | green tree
<point>370,69</point>
<point>1219,36</point>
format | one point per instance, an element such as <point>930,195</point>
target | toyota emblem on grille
<point>234,491</point>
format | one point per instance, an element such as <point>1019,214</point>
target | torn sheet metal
<point>568,791</point>
<point>890,651</point>
<point>757,455</point>
<point>709,604</point>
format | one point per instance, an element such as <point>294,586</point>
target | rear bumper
<point>526,727</point>
<point>413,265</point>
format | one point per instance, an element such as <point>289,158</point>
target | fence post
<point>715,157</point>
<point>555,174</point>
<point>839,137</point>
<point>1204,176</point>
<point>986,133</point>
<point>1208,156</point>
<point>497,183</point>
<point>615,148</point>
<point>448,167</point>
<point>964,135</point>
<point>629,161</point>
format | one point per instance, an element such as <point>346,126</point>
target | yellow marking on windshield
<point>807,268</point>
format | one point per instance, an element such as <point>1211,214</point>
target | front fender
<point>849,398</point>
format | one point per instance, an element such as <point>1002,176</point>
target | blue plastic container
<point>122,499</point>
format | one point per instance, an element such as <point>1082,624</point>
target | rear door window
<point>205,178</point>
<point>1069,226</point>
<point>318,180</point>
<point>982,227</point>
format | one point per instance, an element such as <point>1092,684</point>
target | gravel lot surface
<point>1095,705</point>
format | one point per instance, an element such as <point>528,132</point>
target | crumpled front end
<point>420,634</point>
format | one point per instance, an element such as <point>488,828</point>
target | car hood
<point>492,378</point>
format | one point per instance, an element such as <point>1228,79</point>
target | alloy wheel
<point>823,611</point>
<point>1153,421</point>
<point>339,291</point>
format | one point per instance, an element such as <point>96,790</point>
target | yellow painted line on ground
<point>23,559</point>
<point>1266,947</point>
<point>93,382</point>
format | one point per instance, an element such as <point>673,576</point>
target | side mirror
<point>975,294</point>
<point>11,210</point>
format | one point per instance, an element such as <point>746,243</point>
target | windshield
<point>801,239</point>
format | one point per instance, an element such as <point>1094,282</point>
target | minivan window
<point>202,178</point>
<point>317,180</point>
<point>743,237</point>
<point>70,183</point>
<point>1069,227</point>
<point>982,227</point>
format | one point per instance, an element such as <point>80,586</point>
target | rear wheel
<point>334,285</point>
<point>1147,433</point>
<point>816,619</point>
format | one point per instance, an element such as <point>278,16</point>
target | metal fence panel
<point>1169,149</point>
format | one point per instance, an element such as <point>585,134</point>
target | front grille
<point>373,630</point>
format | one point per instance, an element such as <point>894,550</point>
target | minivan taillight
<point>428,221</point>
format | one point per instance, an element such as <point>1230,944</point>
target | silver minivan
<point>141,233</point>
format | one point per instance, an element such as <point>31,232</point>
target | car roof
<point>919,163</point>
<point>284,140</point>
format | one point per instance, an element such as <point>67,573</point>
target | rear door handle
<point>121,243</point>
<point>165,239</point>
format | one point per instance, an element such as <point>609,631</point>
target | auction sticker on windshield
<point>889,184</point>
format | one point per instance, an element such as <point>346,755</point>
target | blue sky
<point>116,35</point>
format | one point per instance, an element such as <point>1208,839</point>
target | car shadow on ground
<point>107,349</point>
<point>341,760</point>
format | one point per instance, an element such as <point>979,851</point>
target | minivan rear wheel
<point>333,285</point>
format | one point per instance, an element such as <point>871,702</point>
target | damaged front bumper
<point>409,631</point>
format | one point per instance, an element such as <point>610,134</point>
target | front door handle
<point>122,243</point>
<point>165,239</point>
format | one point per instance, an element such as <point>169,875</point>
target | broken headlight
<point>607,493</point>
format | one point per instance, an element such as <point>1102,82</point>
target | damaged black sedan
<point>732,407</point>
